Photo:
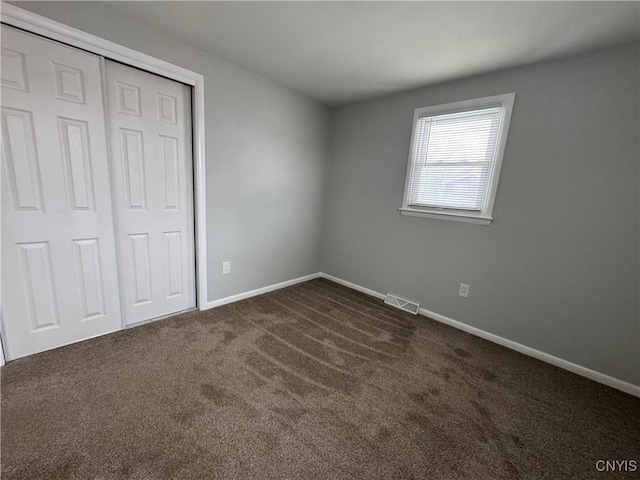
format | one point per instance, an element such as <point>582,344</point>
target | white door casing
<point>59,275</point>
<point>151,149</point>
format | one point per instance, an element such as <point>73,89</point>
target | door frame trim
<point>34,23</point>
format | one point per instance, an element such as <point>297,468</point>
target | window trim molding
<point>45,27</point>
<point>452,215</point>
<point>485,216</point>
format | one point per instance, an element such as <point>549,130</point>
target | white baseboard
<point>518,347</point>
<point>532,352</point>
<point>359,288</point>
<point>259,291</point>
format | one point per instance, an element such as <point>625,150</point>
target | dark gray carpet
<point>311,382</point>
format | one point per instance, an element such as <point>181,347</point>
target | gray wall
<point>265,156</point>
<point>558,268</point>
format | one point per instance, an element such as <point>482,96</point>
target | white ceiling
<point>339,52</point>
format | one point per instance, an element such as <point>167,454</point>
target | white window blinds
<point>453,158</point>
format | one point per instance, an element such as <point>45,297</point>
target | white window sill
<point>451,216</point>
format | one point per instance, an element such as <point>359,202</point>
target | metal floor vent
<point>401,303</point>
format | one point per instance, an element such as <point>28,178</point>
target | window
<point>455,159</point>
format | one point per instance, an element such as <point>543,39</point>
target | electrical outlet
<point>226,268</point>
<point>464,290</point>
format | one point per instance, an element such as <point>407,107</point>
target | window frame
<point>485,216</point>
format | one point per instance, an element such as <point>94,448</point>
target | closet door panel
<point>59,269</point>
<point>150,127</point>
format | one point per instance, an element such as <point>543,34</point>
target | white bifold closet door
<point>151,149</point>
<point>59,275</point>
<point>97,195</point>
